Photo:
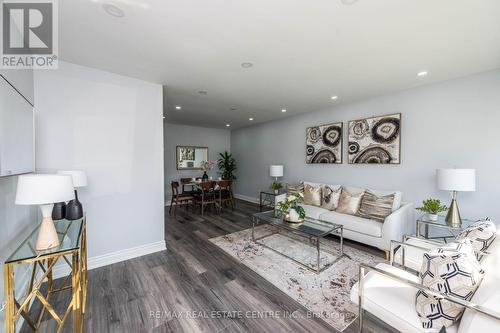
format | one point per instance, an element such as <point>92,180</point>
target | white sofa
<point>392,299</point>
<point>366,231</point>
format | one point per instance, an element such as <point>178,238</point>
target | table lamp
<point>276,171</point>
<point>74,208</point>
<point>44,190</point>
<point>455,180</point>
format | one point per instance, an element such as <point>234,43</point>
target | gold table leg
<point>9,298</point>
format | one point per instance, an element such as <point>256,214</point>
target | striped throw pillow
<point>375,207</point>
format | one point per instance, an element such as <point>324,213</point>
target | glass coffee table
<point>310,229</point>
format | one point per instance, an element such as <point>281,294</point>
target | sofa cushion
<point>376,207</point>
<point>312,194</point>
<point>451,269</point>
<point>313,211</point>
<point>330,197</point>
<point>349,203</point>
<point>392,301</point>
<point>397,194</point>
<point>354,223</point>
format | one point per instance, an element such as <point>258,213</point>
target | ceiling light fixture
<point>178,107</point>
<point>334,97</point>
<point>227,125</point>
<point>233,108</point>
<point>422,73</point>
<point>246,64</point>
<point>113,10</point>
<point>251,119</point>
<point>202,92</point>
<point>283,110</point>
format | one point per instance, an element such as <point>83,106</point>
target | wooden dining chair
<point>206,195</point>
<point>224,193</point>
<point>178,198</point>
<point>184,182</point>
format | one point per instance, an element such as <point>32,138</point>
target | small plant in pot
<point>276,186</point>
<point>290,208</point>
<point>432,207</point>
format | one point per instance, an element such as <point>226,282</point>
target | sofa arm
<point>396,225</point>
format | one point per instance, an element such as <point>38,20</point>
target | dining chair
<point>206,195</point>
<point>224,193</point>
<point>188,182</point>
<point>178,198</point>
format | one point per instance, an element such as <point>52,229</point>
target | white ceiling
<point>303,51</point>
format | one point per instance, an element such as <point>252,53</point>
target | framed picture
<point>324,144</point>
<point>375,140</point>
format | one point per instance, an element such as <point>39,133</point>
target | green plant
<point>292,202</point>
<point>276,185</point>
<point>227,165</point>
<point>432,206</point>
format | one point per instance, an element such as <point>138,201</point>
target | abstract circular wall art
<point>375,140</point>
<point>324,144</point>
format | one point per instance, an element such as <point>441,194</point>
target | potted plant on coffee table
<point>290,208</point>
<point>432,207</point>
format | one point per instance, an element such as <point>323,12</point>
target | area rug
<point>325,295</point>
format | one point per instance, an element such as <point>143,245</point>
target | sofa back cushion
<point>312,194</point>
<point>451,269</point>
<point>376,207</point>
<point>330,197</point>
<point>397,194</point>
<point>481,234</point>
<point>349,203</point>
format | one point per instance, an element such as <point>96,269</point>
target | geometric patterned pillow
<point>481,234</point>
<point>330,198</point>
<point>454,270</point>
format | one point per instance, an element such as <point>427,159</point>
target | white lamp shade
<point>79,177</point>
<point>44,189</point>
<point>456,179</point>
<point>276,171</point>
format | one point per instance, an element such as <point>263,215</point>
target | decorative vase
<point>74,209</point>
<point>432,217</point>
<point>276,192</point>
<point>59,211</point>
<point>293,215</point>
<point>205,176</point>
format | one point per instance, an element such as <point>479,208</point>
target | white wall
<point>15,221</point>
<point>450,124</point>
<point>217,141</point>
<point>111,127</point>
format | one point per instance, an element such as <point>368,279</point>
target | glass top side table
<point>71,251</point>
<point>267,198</point>
<point>442,224</point>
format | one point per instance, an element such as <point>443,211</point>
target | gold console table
<point>71,251</point>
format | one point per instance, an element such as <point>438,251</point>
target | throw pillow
<point>481,234</point>
<point>312,195</point>
<point>375,207</point>
<point>330,197</point>
<point>454,270</point>
<point>349,203</point>
<point>295,188</point>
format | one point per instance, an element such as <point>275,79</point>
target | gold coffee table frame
<point>73,252</point>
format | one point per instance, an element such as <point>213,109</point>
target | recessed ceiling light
<point>227,125</point>
<point>246,64</point>
<point>348,2</point>
<point>422,73</point>
<point>163,117</point>
<point>233,108</point>
<point>251,119</point>
<point>202,92</point>
<point>334,97</point>
<point>283,110</point>
<point>113,10</point>
<point>178,107</point>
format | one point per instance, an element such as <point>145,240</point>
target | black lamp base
<point>74,209</point>
<point>59,211</point>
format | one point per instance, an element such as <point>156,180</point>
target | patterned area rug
<point>325,295</point>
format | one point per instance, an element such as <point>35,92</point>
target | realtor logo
<point>29,34</point>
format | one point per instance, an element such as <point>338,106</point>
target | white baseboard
<point>113,257</point>
<point>246,198</point>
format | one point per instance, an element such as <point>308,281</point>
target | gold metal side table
<point>71,251</point>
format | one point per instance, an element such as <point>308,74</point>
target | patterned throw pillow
<point>376,208</point>
<point>330,197</point>
<point>454,270</point>
<point>481,234</point>
<point>312,195</point>
<point>349,203</point>
<point>295,188</point>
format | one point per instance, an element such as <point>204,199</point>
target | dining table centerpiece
<point>206,166</point>
<point>290,208</point>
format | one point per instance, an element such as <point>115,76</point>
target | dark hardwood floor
<point>175,290</point>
